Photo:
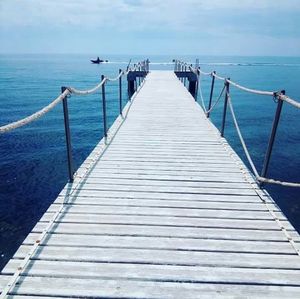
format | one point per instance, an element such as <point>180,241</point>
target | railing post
<point>180,69</point>
<point>211,92</point>
<point>184,81</point>
<point>68,136</point>
<point>120,92</point>
<point>104,107</point>
<point>197,83</point>
<point>140,69</point>
<point>272,136</point>
<point>225,106</point>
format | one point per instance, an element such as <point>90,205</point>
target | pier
<point>162,208</point>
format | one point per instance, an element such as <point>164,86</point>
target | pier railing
<point>135,77</point>
<point>182,69</point>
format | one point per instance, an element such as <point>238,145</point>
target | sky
<point>149,27</point>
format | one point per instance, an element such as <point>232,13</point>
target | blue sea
<point>33,167</point>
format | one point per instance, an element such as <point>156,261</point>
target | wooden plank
<point>166,221</point>
<point>218,165</point>
<point>167,183</point>
<point>162,196</point>
<point>148,272</point>
<point>68,287</point>
<point>157,231</point>
<point>162,189</point>
<point>165,211</point>
<point>170,242</point>
<point>163,257</point>
<point>194,173</point>
<point>168,167</point>
<point>4,278</point>
<point>186,204</point>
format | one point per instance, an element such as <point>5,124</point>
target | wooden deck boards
<point>165,209</point>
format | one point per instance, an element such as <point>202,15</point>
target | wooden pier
<point>163,208</point>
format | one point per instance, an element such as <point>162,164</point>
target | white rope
<point>255,91</point>
<point>218,77</point>
<point>217,101</point>
<point>127,72</point>
<point>277,182</point>
<point>201,96</point>
<point>289,100</point>
<point>204,73</point>
<point>257,176</point>
<point>241,137</point>
<point>116,78</point>
<point>34,116</point>
<point>193,70</point>
<point>89,91</point>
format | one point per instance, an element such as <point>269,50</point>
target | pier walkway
<point>164,208</point>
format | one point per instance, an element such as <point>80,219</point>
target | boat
<point>98,60</point>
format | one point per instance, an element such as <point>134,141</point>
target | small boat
<point>98,60</point>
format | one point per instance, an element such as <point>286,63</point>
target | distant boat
<point>98,60</point>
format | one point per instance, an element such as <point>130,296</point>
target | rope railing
<point>34,116</point>
<point>279,97</point>
<point>66,92</point>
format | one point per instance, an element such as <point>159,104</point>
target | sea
<point>33,162</point>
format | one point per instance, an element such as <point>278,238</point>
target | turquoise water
<point>33,166</point>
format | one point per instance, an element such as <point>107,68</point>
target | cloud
<point>136,20</point>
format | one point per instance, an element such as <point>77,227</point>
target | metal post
<point>225,107</point>
<point>211,92</point>
<point>120,92</point>
<point>184,82</point>
<point>140,69</point>
<point>272,136</point>
<point>197,83</point>
<point>131,85</point>
<point>68,136</point>
<point>104,108</point>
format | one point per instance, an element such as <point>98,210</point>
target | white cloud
<point>128,13</point>
<point>188,20</point>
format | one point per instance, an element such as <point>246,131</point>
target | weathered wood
<point>159,272</point>
<point>163,257</point>
<point>113,288</point>
<point>164,209</point>
<point>160,231</point>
